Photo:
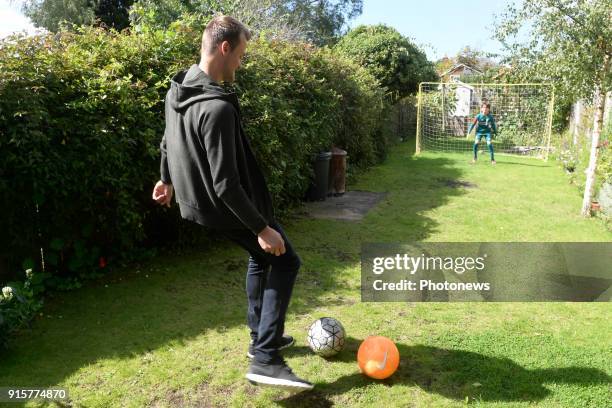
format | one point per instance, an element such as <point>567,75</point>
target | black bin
<point>318,188</point>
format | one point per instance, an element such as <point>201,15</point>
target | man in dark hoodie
<point>208,164</point>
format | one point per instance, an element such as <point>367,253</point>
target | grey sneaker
<point>286,341</point>
<point>276,374</point>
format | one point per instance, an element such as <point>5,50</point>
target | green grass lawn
<point>172,332</point>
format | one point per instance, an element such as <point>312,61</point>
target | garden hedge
<point>81,118</point>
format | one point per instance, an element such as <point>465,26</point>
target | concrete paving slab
<point>351,206</point>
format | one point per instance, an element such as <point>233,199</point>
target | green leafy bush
<point>81,117</point>
<point>574,157</point>
<point>19,301</point>
<point>393,60</point>
<point>79,123</point>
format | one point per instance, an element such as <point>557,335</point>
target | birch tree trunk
<point>577,115</point>
<point>597,125</point>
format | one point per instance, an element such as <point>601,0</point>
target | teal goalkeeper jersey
<point>486,124</point>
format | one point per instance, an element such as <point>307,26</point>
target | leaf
<point>28,263</point>
<point>38,198</point>
<point>56,244</point>
<point>52,259</point>
<point>87,230</point>
<point>75,264</point>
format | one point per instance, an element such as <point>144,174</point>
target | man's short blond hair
<point>223,28</point>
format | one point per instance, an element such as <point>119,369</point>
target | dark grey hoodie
<point>206,156</point>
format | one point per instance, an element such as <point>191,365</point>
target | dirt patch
<point>172,398</point>
<point>175,398</point>
<point>201,397</point>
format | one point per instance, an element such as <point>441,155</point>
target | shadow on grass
<point>454,374</point>
<point>535,164</point>
<point>126,314</point>
<point>415,186</point>
<point>144,311</point>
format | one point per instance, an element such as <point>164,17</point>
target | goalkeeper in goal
<point>486,127</point>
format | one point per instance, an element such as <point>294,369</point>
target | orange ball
<point>378,357</point>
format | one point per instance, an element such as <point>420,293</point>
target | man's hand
<point>271,241</point>
<point>162,193</point>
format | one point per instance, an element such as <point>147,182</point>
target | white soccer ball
<point>326,337</point>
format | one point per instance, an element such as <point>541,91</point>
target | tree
<point>469,56</point>
<point>50,13</point>
<point>569,44</point>
<point>161,13</point>
<point>444,64</point>
<point>397,63</point>
<point>318,21</point>
<point>114,13</point>
<point>322,20</point>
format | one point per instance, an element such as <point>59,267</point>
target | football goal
<point>522,113</point>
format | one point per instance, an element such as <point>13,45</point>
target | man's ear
<point>225,48</point>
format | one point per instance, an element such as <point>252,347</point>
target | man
<point>207,162</point>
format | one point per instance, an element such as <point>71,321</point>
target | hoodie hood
<point>193,85</point>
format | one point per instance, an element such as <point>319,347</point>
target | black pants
<point>269,283</point>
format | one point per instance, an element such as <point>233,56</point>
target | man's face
<point>233,58</point>
<point>484,110</point>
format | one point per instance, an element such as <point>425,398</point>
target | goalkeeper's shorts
<point>480,135</point>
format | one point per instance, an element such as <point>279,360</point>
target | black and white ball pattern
<point>326,337</point>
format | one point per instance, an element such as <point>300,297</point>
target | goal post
<point>522,112</point>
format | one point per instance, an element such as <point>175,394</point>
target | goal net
<point>522,113</point>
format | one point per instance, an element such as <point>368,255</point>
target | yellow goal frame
<point>551,107</point>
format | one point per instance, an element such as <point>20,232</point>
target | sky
<point>440,27</point>
<point>11,19</point>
